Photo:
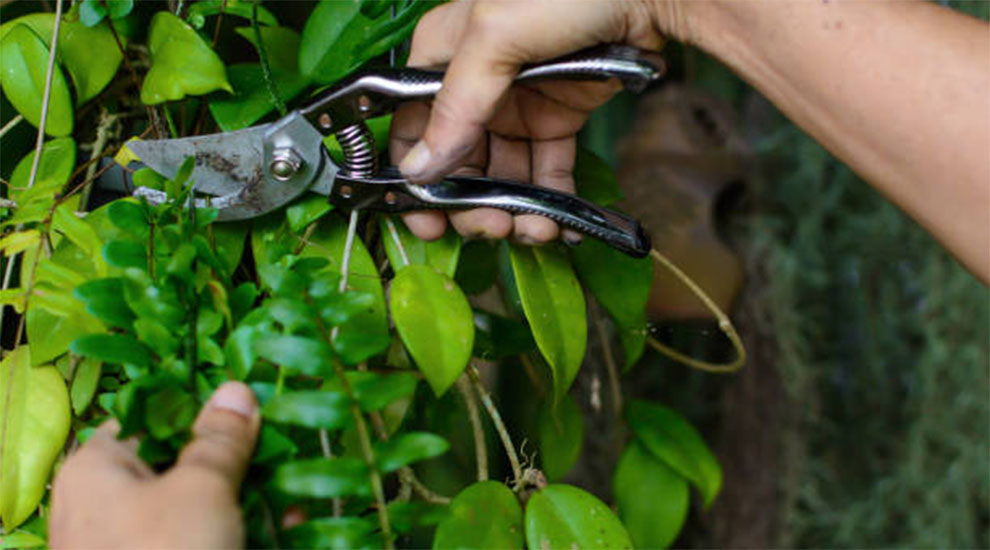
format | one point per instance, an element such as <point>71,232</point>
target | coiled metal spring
<point>360,154</point>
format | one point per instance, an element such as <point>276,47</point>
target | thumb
<point>224,434</point>
<point>478,77</point>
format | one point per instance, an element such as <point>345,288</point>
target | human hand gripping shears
<point>251,172</point>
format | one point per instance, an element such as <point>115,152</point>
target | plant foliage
<point>138,311</point>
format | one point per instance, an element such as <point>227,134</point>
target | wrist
<point>710,25</point>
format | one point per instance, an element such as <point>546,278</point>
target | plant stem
<point>724,324</point>
<point>102,137</point>
<point>10,124</point>
<point>615,387</point>
<point>486,401</point>
<point>480,448</point>
<point>395,237</point>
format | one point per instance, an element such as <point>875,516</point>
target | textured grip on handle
<point>377,92</point>
<point>395,194</point>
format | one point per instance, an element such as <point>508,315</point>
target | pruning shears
<point>251,172</point>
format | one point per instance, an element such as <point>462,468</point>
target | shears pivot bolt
<point>285,163</point>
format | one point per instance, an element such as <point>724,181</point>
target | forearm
<point>899,91</point>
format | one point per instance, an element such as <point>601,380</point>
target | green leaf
<point>435,322</point>
<point>228,242</point>
<point>251,99</point>
<point>84,384</point>
<point>407,448</point>
<point>366,334</point>
<point>671,439</point>
<point>77,44</point>
<point>124,254</point>
<point>323,478</point>
<point>181,62</point>
<point>23,65</point>
<point>477,267</point>
<point>128,215</point>
<point>156,336</point>
<point>102,298</point>
<point>652,499</point>
<point>554,306</point>
<point>621,284</point>
<point>484,515</point>
<point>301,354</point>
<point>312,409</point>
<point>375,391</point>
<point>272,446</point>
<point>562,516</point>
<point>306,210</point>
<point>58,158</point>
<point>21,539</point>
<point>169,411</point>
<point>35,420</point>
<point>594,179</point>
<point>344,533</point>
<point>92,12</point>
<point>281,47</point>
<point>197,13</point>
<point>561,432</point>
<point>80,233</point>
<point>112,348</point>
<point>441,254</point>
<point>338,38</point>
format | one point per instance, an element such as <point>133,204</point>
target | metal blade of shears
<point>250,172</point>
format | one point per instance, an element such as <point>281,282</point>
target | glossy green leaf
<point>554,306</point>
<point>56,317</point>
<point>34,403</point>
<point>128,215</point>
<point>281,47</point>
<point>102,298</point>
<point>484,515</point>
<point>228,243</point>
<point>92,12</point>
<point>169,411</point>
<point>323,478</point>
<point>112,348</point>
<point>21,539</point>
<point>563,516</point>
<point>561,433</point>
<point>301,354</point>
<point>594,179</point>
<point>407,448</point>
<point>23,65</point>
<point>366,334</point>
<point>621,284</point>
<point>182,63</point>
<point>312,409</point>
<point>58,158</point>
<point>374,391</point>
<point>671,439</point>
<point>337,37</point>
<point>198,12</point>
<point>306,210</point>
<point>652,499</point>
<point>441,254</point>
<point>346,533</point>
<point>434,320</point>
<point>76,46</point>
<point>124,254</point>
<point>250,99</point>
<point>84,384</point>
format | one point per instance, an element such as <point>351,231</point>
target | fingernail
<point>571,238</point>
<point>235,397</point>
<point>416,160</point>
